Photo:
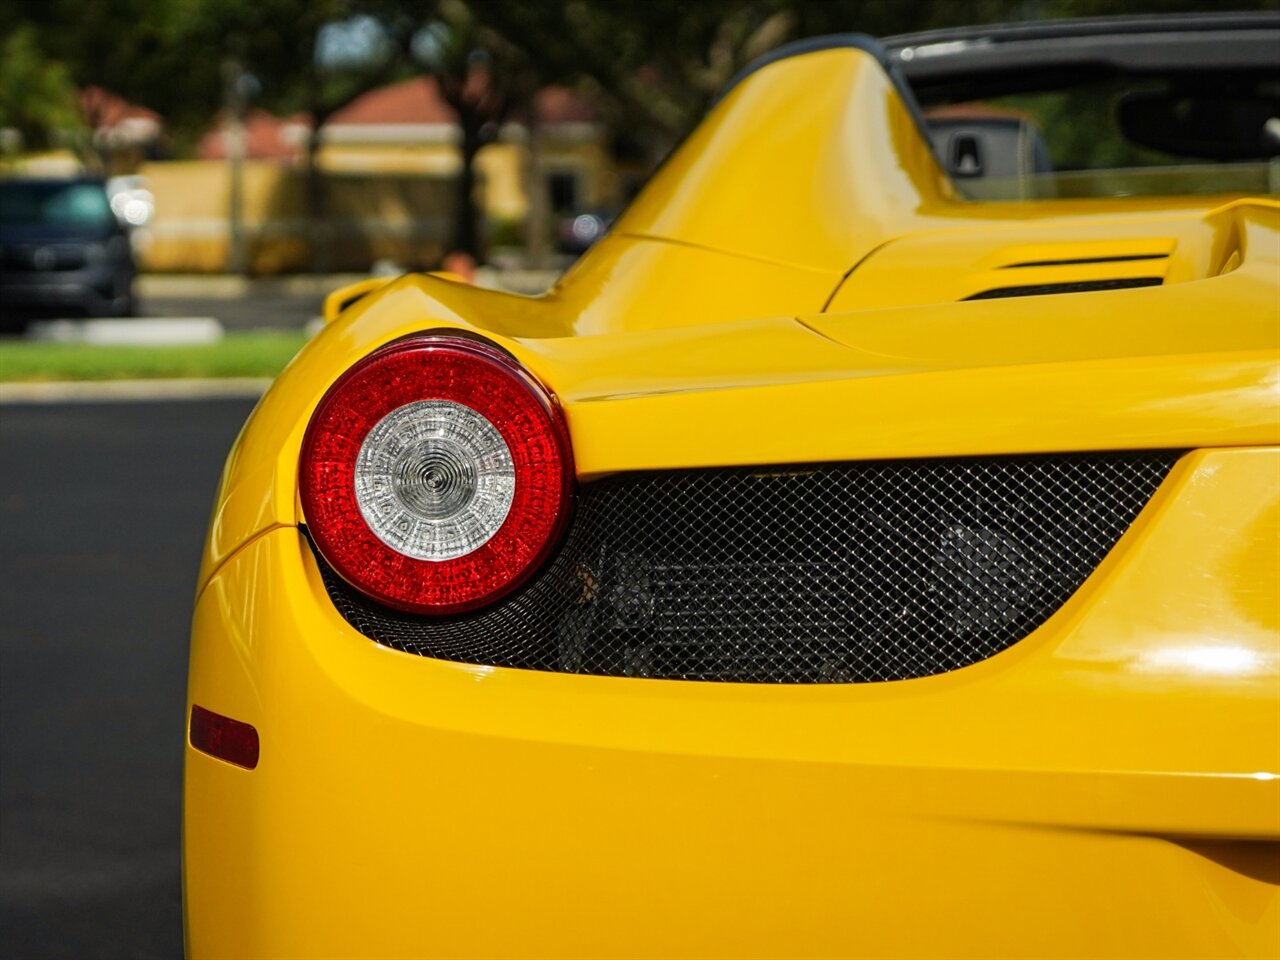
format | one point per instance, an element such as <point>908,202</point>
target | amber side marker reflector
<point>224,738</point>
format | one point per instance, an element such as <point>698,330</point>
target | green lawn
<point>249,354</point>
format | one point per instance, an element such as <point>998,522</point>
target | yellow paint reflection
<point>1215,659</point>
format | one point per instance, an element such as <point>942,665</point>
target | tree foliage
<point>37,96</point>
<point>654,64</point>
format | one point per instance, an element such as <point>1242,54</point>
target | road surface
<point>102,508</point>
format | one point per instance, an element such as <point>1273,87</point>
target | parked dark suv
<point>62,252</point>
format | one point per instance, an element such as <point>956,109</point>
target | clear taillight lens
<point>436,474</point>
<point>434,480</point>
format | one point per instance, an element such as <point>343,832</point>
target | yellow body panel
<point>1185,365</point>
<point>1108,786</point>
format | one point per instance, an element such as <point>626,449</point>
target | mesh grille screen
<point>818,574</point>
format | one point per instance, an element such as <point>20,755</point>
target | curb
<point>98,391</point>
<point>215,286</point>
<point>220,286</point>
<point>134,331</point>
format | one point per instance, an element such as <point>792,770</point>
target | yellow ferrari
<point>870,548</point>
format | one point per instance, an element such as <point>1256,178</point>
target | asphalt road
<point>102,512</point>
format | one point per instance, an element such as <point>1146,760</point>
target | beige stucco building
<point>389,162</point>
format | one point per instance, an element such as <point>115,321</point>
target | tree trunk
<point>466,234</point>
<point>233,139</point>
<point>538,215</point>
<point>318,236</point>
<point>237,241</point>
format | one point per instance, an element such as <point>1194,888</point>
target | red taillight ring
<point>436,474</point>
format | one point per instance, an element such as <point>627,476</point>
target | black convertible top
<point>972,62</point>
<point>1090,27</point>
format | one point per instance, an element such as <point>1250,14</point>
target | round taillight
<point>436,474</point>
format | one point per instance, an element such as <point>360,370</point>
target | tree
<point>176,57</point>
<point>654,66</point>
<point>486,78</point>
<point>296,59</point>
<point>37,96</point>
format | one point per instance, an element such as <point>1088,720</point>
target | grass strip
<point>245,354</point>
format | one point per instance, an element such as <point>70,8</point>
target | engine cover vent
<point>1078,261</point>
<point>1076,286</point>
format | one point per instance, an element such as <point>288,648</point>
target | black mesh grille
<point>815,574</point>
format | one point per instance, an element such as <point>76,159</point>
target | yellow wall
<point>502,168</point>
<point>381,201</point>
<point>403,217</point>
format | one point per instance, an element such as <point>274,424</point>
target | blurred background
<point>181,182</point>
<point>275,137</point>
